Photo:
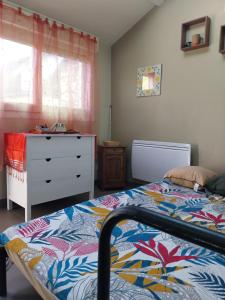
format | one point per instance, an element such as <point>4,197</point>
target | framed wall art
<point>149,81</point>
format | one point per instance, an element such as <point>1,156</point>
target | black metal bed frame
<point>3,258</point>
<point>198,235</point>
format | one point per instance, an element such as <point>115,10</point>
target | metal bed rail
<point>195,234</point>
<point>3,260</point>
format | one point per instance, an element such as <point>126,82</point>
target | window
<point>17,72</point>
<point>62,78</point>
<point>47,73</point>
<point>62,81</point>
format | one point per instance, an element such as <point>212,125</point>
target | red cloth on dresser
<point>15,151</point>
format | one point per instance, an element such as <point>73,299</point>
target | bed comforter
<point>60,250</point>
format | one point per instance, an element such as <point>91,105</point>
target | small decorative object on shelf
<point>111,167</point>
<point>188,44</point>
<point>222,40</point>
<point>198,40</point>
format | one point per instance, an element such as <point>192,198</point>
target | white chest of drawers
<point>57,166</point>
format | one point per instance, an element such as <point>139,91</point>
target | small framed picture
<point>149,81</point>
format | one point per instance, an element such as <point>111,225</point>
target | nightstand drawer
<point>114,150</point>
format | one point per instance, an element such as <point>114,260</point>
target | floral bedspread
<point>61,249</point>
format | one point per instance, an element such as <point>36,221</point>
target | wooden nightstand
<point>111,167</point>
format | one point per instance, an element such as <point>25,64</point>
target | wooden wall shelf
<point>222,40</point>
<point>205,21</point>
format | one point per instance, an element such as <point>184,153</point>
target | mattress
<point>58,253</point>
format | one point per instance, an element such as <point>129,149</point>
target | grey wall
<point>104,91</point>
<point>191,108</point>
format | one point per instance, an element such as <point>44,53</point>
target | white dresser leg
<point>27,213</point>
<point>91,195</point>
<point>9,204</point>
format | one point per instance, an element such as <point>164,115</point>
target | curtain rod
<point>30,12</point>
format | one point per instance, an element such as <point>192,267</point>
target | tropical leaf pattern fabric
<point>61,249</point>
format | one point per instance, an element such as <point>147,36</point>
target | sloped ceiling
<point>107,19</point>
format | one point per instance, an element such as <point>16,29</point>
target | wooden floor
<point>18,287</point>
<point>15,216</point>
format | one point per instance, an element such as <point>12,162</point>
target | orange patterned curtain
<point>46,73</point>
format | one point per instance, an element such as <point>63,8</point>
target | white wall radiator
<point>151,160</point>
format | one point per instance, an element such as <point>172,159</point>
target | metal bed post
<point>3,284</point>
<point>194,234</point>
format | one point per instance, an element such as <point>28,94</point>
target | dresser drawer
<point>56,168</point>
<point>112,150</point>
<point>53,146</point>
<point>48,190</point>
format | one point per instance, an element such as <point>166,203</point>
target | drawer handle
<point>48,159</point>
<point>78,156</point>
<point>78,176</point>
<point>48,137</point>
<point>47,181</point>
<point>78,137</point>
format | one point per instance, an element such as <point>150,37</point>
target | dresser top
<point>53,135</point>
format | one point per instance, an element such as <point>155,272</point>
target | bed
<point>58,253</point>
